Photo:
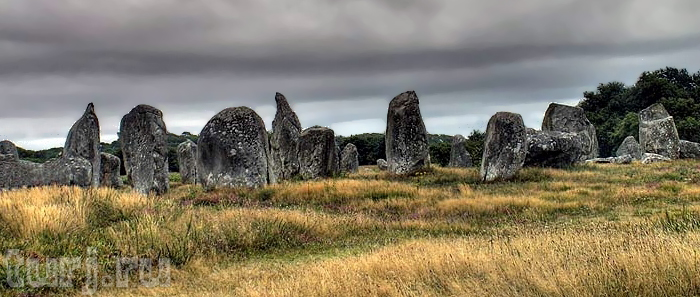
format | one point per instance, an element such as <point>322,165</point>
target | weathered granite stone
<point>459,156</point>
<point>648,158</point>
<point>67,171</point>
<point>83,141</point>
<point>8,151</point>
<point>187,161</point>
<point>284,142</point>
<point>554,149</point>
<point>406,136</point>
<point>143,138</point>
<point>20,173</point>
<point>233,150</point>
<point>657,132</point>
<point>318,155</point>
<point>505,147</point>
<point>631,147</point>
<point>571,119</point>
<point>624,159</point>
<point>349,159</point>
<point>382,165</point>
<point>110,168</point>
<point>689,150</point>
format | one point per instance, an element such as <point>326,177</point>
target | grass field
<point>592,230</point>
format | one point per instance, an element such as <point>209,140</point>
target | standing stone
<point>83,141</point>
<point>349,159</point>
<point>657,132</point>
<point>143,138</point>
<point>233,150</point>
<point>406,136</point>
<point>631,147</point>
<point>689,150</point>
<point>382,165</point>
<point>110,168</point>
<point>505,147</point>
<point>318,155</point>
<point>8,151</point>
<point>571,119</point>
<point>459,156</point>
<point>286,128</point>
<point>187,161</point>
<point>553,149</point>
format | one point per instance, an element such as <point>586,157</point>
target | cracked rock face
<point>553,149</point>
<point>505,147</point>
<point>110,167</point>
<point>187,161</point>
<point>143,137</point>
<point>459,156</point>
<point>83,141</point>
<point>571,119</point>
<point>349,159</point>
<point>233,150</point>
<point>631,147</point>
<point>284,142</point>
<point>406,136</point>
<point>658,133</point>
<point>318,153</point>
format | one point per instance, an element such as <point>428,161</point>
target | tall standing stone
<point>631,147</point>
<point>349,159</point>
<point>143,137</point>
<point>187,161</point>
<point>505,147</point>
<point>110,168</point>
<point>459,156</point>
<point>657,132</point>
<point>83,141</point>
<point>318,153</point>
<point>571,119</point>
<point>286,129</point>
<point>406,136</point>
<point>233,150</point>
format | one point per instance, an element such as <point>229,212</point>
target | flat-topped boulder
<point>572,119</point>
<point>349,159</point>
<point>406,136</point>
<point>284,142</point>
<point>110,171</point>
<point>143,138</point>
<point>505,147</point>
<point>83,141</point>
<point>187,161</point>
<point>631,147</point>
<point>658,133</point>
<point>459,156</point>
<point>318,153</point>
<point>233,150</point>
<point>554,149</point>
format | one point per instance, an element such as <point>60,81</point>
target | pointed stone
<point>83,141</point>
<point>286,129</point>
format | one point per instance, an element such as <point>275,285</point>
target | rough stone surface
<point>20,173</point>
<point>318,155</point>
<point>187,161</point>
<point>406,136</point>
<point>505,147</point>
<point>624,159</point>
<point>571,119</point>
<point>382,165</point>
<point>67,171</point>
<point>233,150</point>
<point>459,156</point>
<point>83,141</point>
<point>110,168</point>
<point>349,159</point>
<point>648,158</point>
<point>144,147</point>
<point>284,141</point>
<point>631,147</point>
<point>554,149</point>
<point>8,151</point>
<point>689,150</point>
<point>657,132</point>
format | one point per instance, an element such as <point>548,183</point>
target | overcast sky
<point>339,62</point>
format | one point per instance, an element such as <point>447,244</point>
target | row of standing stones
<point>234,149</point>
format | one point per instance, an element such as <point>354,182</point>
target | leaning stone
<point>459,156</point>
<point>233,150</point>
<point>318,155</point>
<point>649,158</point>
<point>83,141</point>
<point>406,136</point>
<point>631,147</point>
<point>571,119</point>
<point>110,171</point>
<point>505,147</point>
<point>349,159</point>
<point>284,141</point>
<point>658,133</point>
<point>689,150</point>
<point>382,165</point>
<point>143,138</point>
<point>187,161</point>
